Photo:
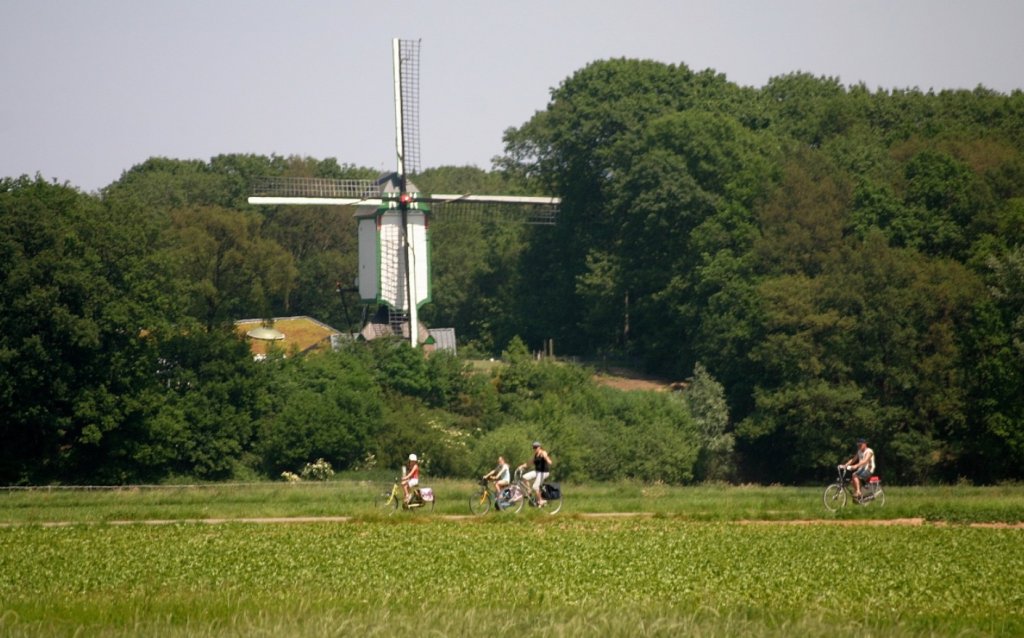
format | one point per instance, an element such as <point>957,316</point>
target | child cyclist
<point>500,474</point>
<point>411,478</point>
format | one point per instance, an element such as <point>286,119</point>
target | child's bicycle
<point>482,501</point>
<point>520,492</point>
<point>836,494</point>
<point>420,498</point>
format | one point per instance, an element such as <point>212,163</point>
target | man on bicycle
<point>862,464</point>
<point>500,474</point>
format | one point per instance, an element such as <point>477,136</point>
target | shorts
<point>413,482</point>
<point>537,477</point>
<point>863,473</point>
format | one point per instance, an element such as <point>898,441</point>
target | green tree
<point>81,302</point>
<point>705,398</point>
<point>213,393</point>
<point>233,271</point>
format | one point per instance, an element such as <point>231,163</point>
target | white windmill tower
<point>393,216</point>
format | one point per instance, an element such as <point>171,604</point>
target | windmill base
<point>390,323</point>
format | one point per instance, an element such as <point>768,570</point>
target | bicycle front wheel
<point>480,503</point>
<point>518,499</point>
<point>834,497</point>
<point>387,503</point>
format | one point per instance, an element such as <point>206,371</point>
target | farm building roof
<point>300,334</point>
<point>444,339</point>
<point>303,334</point>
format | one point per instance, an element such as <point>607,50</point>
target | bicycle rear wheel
<point>877,497</point>
<point>834,497</point>
<point>480,503</point>
<point>554,506</point>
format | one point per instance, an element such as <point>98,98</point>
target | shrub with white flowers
<point>320,470</point>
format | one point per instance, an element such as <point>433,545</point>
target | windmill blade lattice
<point>315,187</point>
<point>407,91</point>
<point>539,213</point>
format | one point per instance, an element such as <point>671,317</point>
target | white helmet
<point>412,457</point>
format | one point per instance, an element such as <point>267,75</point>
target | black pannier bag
<point>550,491</point>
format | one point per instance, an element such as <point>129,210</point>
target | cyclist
<point>541,471</point>
<point>411,478</point>
<point>862,464</point>
<point>500,475</point>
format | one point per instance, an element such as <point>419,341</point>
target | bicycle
<point>521,492</point>
<point>836,494</point>
<point>419,498</point>
<point>483,501</point>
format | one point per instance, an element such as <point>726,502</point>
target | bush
<point>436,436</point>
<point>511,441</point>
<point>592,433</point>
<point>319,470</point>
<point>326,406</point>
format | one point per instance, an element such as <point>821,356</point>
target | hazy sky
<point>92,87</point>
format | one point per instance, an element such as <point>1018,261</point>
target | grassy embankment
<point>958,503</point>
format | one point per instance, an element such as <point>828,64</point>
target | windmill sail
<point>536,211</point>
<point>407,105</point>
<point>315,191</point>
<point>319,191</point>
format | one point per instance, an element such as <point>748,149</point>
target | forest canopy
<point>822,261</point>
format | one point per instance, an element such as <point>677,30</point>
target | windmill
<point>393,217</point>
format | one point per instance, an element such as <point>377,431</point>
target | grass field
<point>959,503</point>
<point>691,569</point>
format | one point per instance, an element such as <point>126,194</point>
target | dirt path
<point>293,520</point>
<point>624,379</point>
<point>860,522</point>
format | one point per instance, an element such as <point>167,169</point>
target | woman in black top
<point>541,470</point>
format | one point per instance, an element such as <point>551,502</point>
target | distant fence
<point>129,488</point>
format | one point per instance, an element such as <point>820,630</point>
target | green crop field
<point>624,577</point>
<point>710,561</point>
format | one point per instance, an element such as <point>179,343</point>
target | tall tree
<point>233,270</point>
<point>82,302</point>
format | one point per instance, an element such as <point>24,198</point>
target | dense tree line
<point>824,261</point>
<point>843,261</point>
<point>119,363</point>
